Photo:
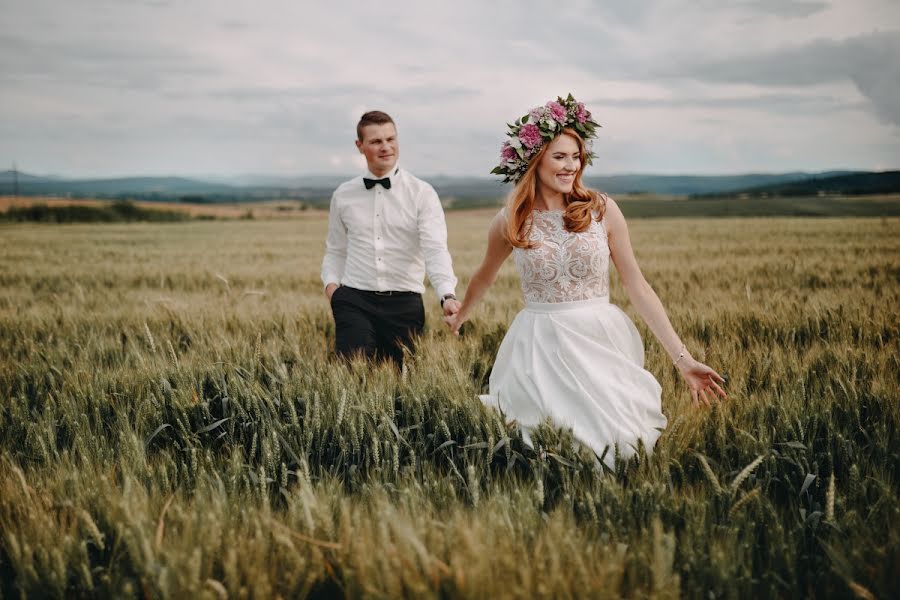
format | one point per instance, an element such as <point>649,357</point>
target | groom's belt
<point>387,293</point>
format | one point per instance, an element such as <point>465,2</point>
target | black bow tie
<point>370,183</point>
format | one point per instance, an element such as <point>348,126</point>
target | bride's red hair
<point>581,203</point>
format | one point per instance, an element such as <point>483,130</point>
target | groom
<point>386,230</point>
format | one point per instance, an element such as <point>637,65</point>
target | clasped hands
<point>452,315</point>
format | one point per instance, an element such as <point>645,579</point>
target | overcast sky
<point>216,87</point>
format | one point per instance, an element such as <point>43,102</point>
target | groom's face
<point>379,146</point>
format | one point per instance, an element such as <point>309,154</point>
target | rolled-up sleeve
<point>335,245</point>
<point>433,242</point>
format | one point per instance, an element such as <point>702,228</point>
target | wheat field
<point>172,425</point>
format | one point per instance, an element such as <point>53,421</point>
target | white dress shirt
<point>386,240</point>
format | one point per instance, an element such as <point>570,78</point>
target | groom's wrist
<point>445,297</point>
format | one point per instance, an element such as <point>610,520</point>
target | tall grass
<point>172,425</point>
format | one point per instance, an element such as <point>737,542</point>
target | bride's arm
<point>498,249</point>
<point>699,377</point>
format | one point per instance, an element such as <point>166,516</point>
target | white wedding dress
<point>570,355</point>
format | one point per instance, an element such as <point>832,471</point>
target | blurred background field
<point>172,424</point>
<point>53,209</point>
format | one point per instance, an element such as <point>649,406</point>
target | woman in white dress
<point>570,355</point>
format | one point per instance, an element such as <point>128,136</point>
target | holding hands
<point>454,320</point>
<point>452,315</point>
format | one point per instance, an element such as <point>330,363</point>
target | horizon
<point>425,176</point>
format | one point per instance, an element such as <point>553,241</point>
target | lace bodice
<point>563,266</point>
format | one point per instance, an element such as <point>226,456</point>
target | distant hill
<point>855,184</point>
<point>688,185</point>
<point>10,175</point>
<point>280,181</point>
<point>122,185</point>
<point>461,191</point>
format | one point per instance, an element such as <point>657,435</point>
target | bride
<point>570,355</point>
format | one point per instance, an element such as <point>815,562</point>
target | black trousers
<point>376,325</point>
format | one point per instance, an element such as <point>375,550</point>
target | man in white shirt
<point>386,230</point>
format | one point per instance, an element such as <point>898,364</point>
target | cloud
<point>785,8</point>
<point>637,14</point>
<point>85,61</point>
<point>344,92</point>
<point>234,25</point>
<point>871,61</point>
<point>878,75</point>
<point>787,104</point>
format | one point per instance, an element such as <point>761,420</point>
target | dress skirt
<point>581,364</point>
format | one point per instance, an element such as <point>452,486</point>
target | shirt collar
<point>392,173</point>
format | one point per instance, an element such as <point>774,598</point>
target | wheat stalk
<point>829,500</point>
<point>172,354</point>
<point>709,473</point>
<point>745,499</point>
<point>150,339</point>
<point>745,473</point>
<point>472,484</point>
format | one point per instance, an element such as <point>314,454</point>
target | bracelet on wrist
<point>681,355</point>
<point>446,297</point>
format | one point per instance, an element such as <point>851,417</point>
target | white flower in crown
<point>537,113</point>
<point>589,146</point>
<point>543,123</point>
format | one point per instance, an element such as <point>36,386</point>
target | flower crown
<point>540,125</point>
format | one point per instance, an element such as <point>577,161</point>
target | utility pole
<point>15,182</point>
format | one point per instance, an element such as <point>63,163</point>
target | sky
<point>102,88</point>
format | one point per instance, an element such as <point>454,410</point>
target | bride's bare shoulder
<point>498,227</point>
<point>606,202</point>
<point>605,199</point>
<point>613,218</point>
<point>500,219</point>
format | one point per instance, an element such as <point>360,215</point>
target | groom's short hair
<point>373,117</point>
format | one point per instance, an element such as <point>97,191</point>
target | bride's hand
<point>454,322</point>
<point>702,380</point>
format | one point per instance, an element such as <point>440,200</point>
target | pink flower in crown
<point>581,113</point>
<point>508,153</point>
<point>557,111</point>
<point>537,113</point>
<point>530,135</point>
